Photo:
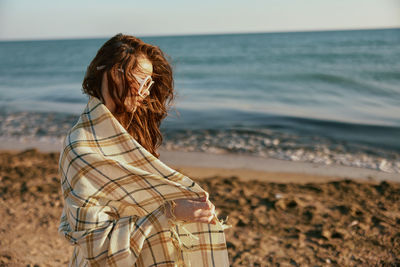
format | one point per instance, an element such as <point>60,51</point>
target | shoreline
<point>202,165</point>
<point>268,169</point>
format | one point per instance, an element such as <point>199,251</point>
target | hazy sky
<point>49,19</point>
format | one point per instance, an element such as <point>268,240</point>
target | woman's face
<point>143,69</point>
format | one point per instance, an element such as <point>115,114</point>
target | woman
<point>122,205</point>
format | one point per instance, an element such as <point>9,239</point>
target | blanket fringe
<point>177,241</point>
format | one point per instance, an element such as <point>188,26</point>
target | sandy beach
<point>282,213</point>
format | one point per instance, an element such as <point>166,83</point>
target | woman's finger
<point>203,213</point>
<point>202,205</point>
<point>212,207</point>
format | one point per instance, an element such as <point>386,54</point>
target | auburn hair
<point>118,58</point>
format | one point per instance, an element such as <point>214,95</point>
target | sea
<point>328,97</point>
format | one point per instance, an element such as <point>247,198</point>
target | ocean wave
<point>284,146</point>
<point>289,138</point>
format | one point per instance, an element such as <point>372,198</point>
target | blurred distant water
<point>329,97</point>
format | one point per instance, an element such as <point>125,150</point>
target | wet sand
<point>279,217</point>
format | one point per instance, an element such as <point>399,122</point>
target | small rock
<point>353,223</point>
<point>327,234</point>
<point>242,201</point>
<point>280,204</point>
<point>254,201</point>
<point>5,258</point>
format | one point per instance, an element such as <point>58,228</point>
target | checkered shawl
<point>115,193</point>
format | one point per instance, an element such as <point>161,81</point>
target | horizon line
<point>197,34</point>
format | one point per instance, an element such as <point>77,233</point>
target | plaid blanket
<point>115,194</point>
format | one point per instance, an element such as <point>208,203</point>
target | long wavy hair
<point>118,57</point>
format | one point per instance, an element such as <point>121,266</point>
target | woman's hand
<point>193,210</point>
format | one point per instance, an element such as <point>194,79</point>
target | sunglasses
<point>145,84</point>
